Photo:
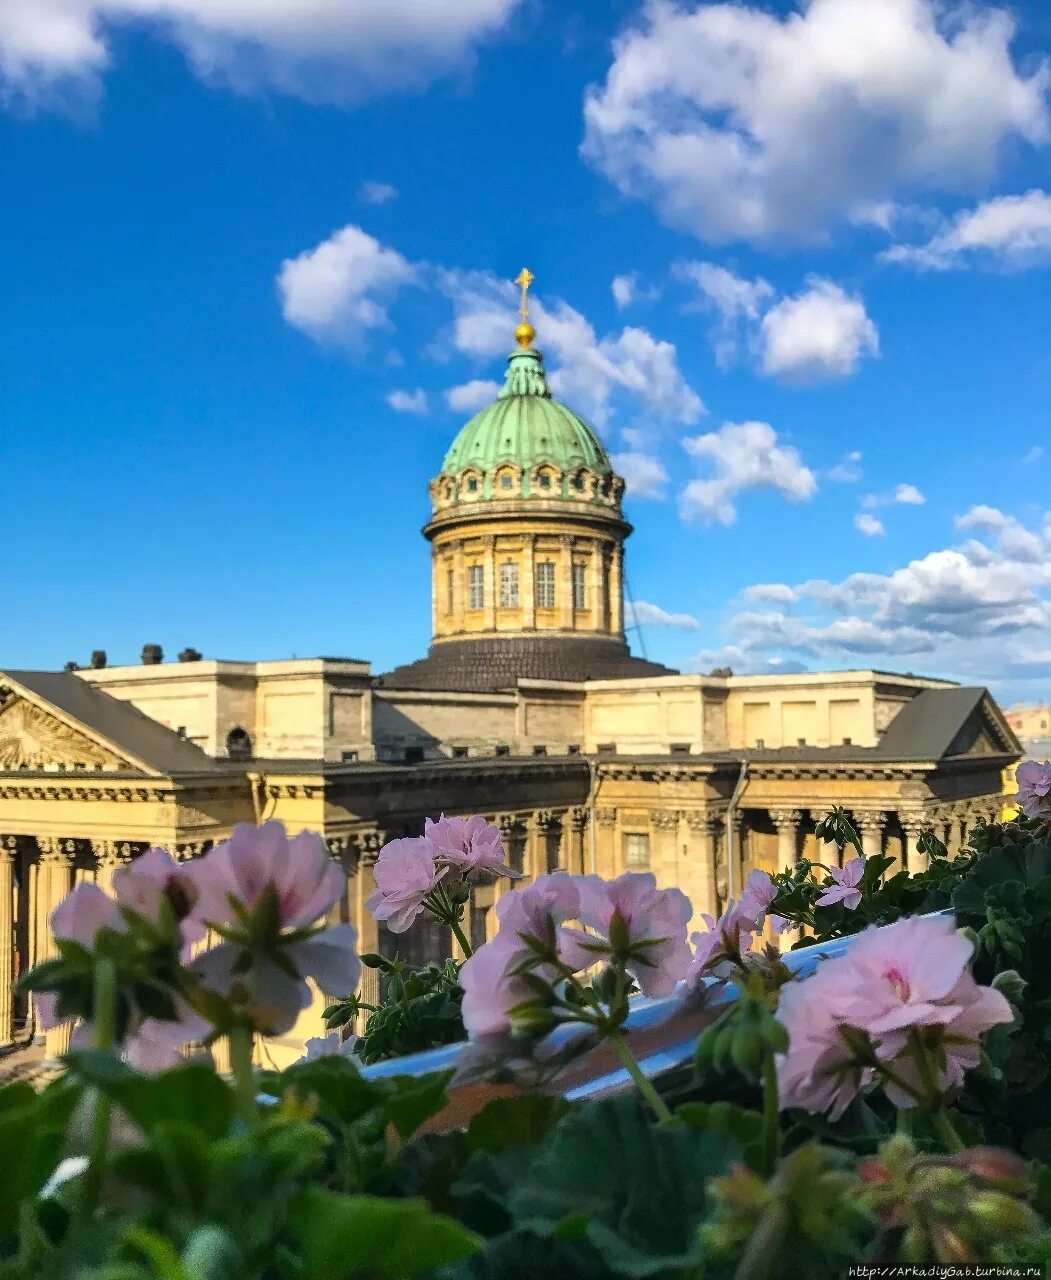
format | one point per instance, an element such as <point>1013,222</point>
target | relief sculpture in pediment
<point>30,738</point>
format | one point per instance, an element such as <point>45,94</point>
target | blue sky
<point>792,261</point>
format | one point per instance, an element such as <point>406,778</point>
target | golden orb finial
<point>525,333</point>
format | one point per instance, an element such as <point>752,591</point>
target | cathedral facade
<point>528,707</point>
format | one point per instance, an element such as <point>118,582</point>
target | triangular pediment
<point>985,732</point>
<point>35,736</point>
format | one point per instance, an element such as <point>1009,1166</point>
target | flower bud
<point>1002,1213</point>
<point>532,1020</point>
<point>949,1246</point>
<point>995,1166</point>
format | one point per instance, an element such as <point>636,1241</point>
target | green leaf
<point>32,1137</point>
<point>346,1236</point>
<point>193,1093</point>
<point>414,1099</point>
<point>515,1122</point>
<point>744,1126</point>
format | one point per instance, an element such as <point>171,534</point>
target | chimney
<point>98,659</point>
<point>152,655</point>
<point>189,655</point>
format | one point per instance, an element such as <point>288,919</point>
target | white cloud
<point>652,615</point>
<point>738,123</point>
<point>377,192</point>
<point>408,401</point>
<point>741,457</point>
<point>469,396</point>
<point>644,475</point>
<point>320,50</point>
<point>628,289</point>
<point>335,292</point>
<point>902,495</point>
<point>1008,231</point>
<point>847,470</point>
<point>738,302</point>
<point>587,371</point>
<point>868,525</point>
<point>1033,455</point>
<point>819,334</point>
<point>981,609</point>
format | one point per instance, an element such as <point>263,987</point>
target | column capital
<point>705,824</point>
<point>369,845</point>
<point>786,818</point>
<point>870,819</point>
<point>8,848</point>
<point>665,819</point>
<point>912,823</point>
<point>53,850</point>
<point>606,817</point>
<point>188,850</point>
<point>507,822</point>
<point>577,819</point>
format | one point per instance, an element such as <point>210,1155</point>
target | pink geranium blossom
<point>653,922</point>
<point>845,889</point>
<point>467,844</point>
<point>152,878</point>
<point>406,873</point>
<point>758,892</point>
<point>491,987</point>
<point>901,990</point>
<point>300,871</point>
<point>83,912</point>
<point>1034,788</point>
<point>724,941</point>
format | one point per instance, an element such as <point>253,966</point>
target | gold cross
<point>525,279</point>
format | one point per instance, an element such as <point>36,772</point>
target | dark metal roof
<point>928,725</point>
<point>488,663</point>
<point>120,723</point>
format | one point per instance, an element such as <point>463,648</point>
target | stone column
<point>912,824</point>
<point>7,937</point>
<point>109,857</point>
<point>574,826</point>
<point>616,591</point>
<point>787,823</point>
<point>954,842</point>
<point>870,825</point>
<point>606,853</point>
<point>596,602</point>
<point>369,844</point>
<point>665,864</point>
<point>527,587</point>
<point>699,874</point>
<point>54,881</point>
<point>733,852</point>
<point>564,583</point>
<point>489,581</point>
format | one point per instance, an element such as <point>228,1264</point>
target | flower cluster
<point>263,895</point>
<point>1034,788</point>
<point>431,872</point>
<point>727,941</point>
<point>525,979</point>
<point>901,1008</point>
<point>844,887</point>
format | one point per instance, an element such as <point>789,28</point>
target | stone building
<point>528,708</point>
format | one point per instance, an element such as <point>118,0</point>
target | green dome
<point>525,426</point>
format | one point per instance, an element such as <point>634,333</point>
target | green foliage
<point>421,1010</point>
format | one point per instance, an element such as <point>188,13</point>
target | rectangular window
<point>580,596</point>
<point>475,587</point>
<point>509,586</point>
<point>450,578</point>
<point>636,850</point>
<point>545,585</point>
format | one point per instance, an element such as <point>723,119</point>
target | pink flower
<point>82,913</point>
<point>491,988</point>
<point>904,975</point>
<point>726,941</point>
<point>631,918</point>
<point>154,877</point>
<point>898,990</point>
<point>155,1045</point>
<point>845,889</point>
<point>819,1073</point>
<point>300,871</point>
<point>271,991</point>
<point>406,873</point>
<point>467,844</point>
<point>330,1046</point>
<point>758,892</point>
<point>1034,788</point>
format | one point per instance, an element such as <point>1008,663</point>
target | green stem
<point>904,1127</point>
<point>461,937</point>
<point>771,1115</point>
<point>104,1014</point>
<point>645,1087</point>
<point>946,1130</point>
<point>241,1040</point>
